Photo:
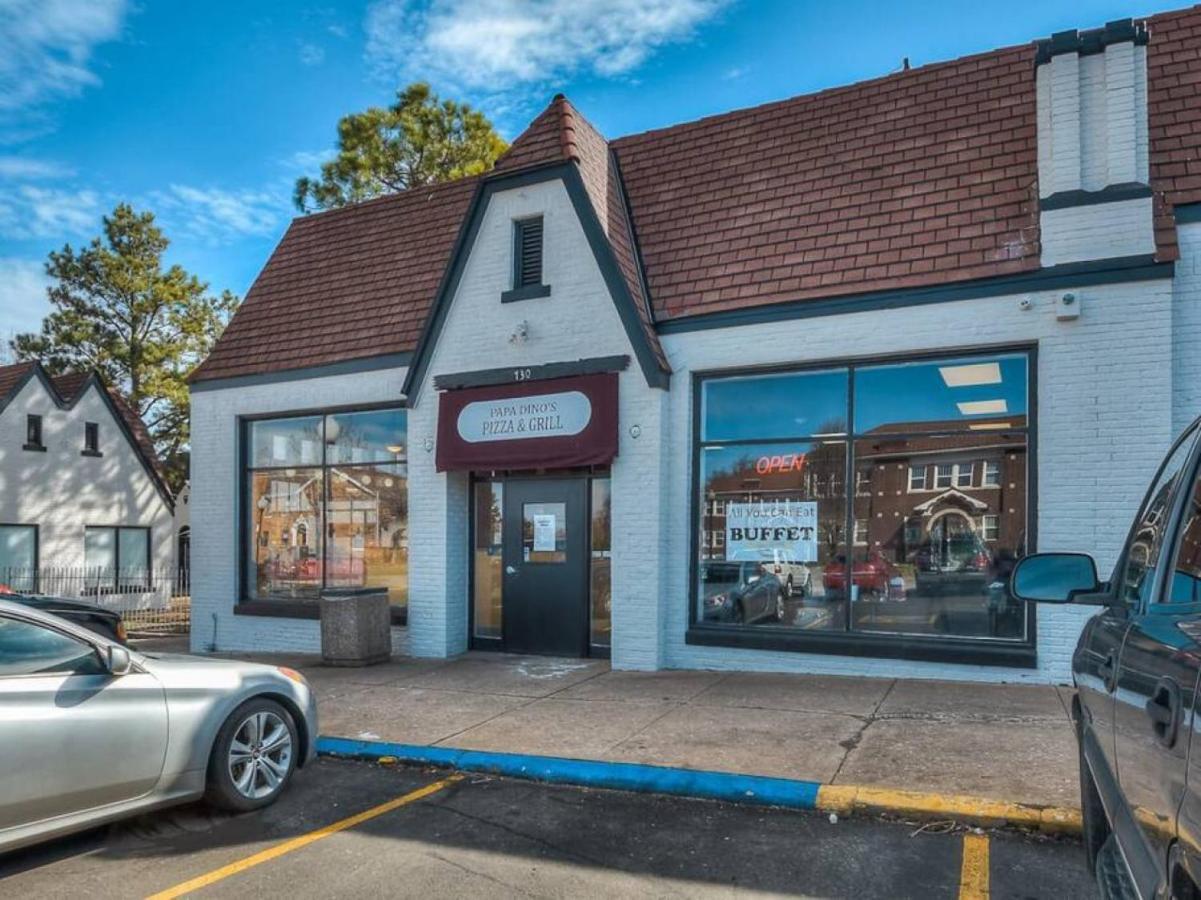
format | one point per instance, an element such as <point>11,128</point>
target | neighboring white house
<point>84,506</point>
<point>905,331</point>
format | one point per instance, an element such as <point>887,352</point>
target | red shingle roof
<point>1174,118</point>
<point>345,284</point>
<point>919,178</point>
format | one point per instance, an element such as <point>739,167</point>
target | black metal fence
<point>150,601</point>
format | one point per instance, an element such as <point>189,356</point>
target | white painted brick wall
<point>1098,231</point>
<point>1104,422</point>
<point>1186,332</point>
<point>578,320</point>
<point>1111,387</point>
<point>215,504</point>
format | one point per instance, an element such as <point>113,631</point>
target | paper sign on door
<point>544,533</point>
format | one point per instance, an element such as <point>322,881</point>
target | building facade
<point>791,388</point>
<point>85,509</point>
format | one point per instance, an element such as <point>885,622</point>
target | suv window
<point>29,649</point>
<point>1142,555</point>
<point>1186,569</point>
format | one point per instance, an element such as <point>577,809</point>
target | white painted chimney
<point>1093,179</point>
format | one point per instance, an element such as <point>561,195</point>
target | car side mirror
<point>119,661</point>
<point>1055,577</point>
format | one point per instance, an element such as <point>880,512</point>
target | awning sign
<point>789,525</point>
<point>554,423</point>
<point>540,416</point>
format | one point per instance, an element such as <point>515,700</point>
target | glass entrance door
<point>545,556</point>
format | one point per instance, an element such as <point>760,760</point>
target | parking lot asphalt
<point>349,829</point>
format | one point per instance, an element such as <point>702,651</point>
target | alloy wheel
<point>260,755</point>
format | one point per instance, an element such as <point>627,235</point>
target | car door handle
<point>1163,709</point>
<point>1107,669</point>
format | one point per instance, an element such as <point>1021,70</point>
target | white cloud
<point>311,54</point>
<point>22,167</point>
<point>29,211</point>
<point>481,44</point>
<point>217,215</point>
<point>46,47</point>
<point>22,296</point>
<point>735,72</point>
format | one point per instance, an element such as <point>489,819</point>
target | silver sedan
<point>91,731</point>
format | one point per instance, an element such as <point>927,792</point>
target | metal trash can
<point>356,626</point>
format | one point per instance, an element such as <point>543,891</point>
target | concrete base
<point>356,627</point>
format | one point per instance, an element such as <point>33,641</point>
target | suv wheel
<point>253,757</point>
<point>788,587</point>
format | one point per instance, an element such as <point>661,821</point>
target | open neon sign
<point>783,462</point>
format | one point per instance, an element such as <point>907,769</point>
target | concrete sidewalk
<point>1003,742</point>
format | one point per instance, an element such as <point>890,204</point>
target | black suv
<point>1136,672</point>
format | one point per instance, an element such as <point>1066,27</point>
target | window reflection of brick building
<point>922,495</point>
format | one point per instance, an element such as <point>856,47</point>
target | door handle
<point>510,570</point>
<point>1163,708</point>
<point>1107,669</point>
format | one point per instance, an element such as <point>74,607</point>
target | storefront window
<point>931,488</point>
<point>488,550</point>
<point>327,505</point>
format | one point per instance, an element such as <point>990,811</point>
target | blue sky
<point>206,112</point>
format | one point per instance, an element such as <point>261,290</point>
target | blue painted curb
<point>755,789</point>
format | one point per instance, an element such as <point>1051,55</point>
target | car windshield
<point>721,574</point>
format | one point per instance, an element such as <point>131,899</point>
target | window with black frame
<point>921,464</point>
<point>327,504</point>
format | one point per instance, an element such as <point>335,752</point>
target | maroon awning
<point>555,423</point>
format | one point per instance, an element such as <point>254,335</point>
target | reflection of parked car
<point>955,565</point>
<point>740,592</point>
<point>875,576</point>
<point>794,575</point>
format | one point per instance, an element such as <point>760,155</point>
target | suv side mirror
<point>119,661</point>
<point>1054,577</point>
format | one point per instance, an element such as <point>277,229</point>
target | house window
<point>116,558</point>
<point>326,505</point>
<point>917,478</point>
<point>33,433</point>
<point>992,474</point>
<point>91,439</point>
<point>19,556</point>
<point>879,565</point>
<point>990,527</point>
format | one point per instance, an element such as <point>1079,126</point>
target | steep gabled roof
<point>921,178</point>
<point>560,134</point>
<point>346,284</point>
<point>65,390</point>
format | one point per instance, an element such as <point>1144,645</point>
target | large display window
<point>326,505</point>
<point>874,508</point>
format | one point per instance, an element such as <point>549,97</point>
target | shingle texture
<point>345,284</point>
<point>1174,118</point>
<point>923,177</point>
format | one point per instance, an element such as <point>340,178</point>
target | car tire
<point>1095,826</point>
<point>253,758</point>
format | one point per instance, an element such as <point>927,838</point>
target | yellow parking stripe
<point>303,840</point>
<point>973,877</point>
